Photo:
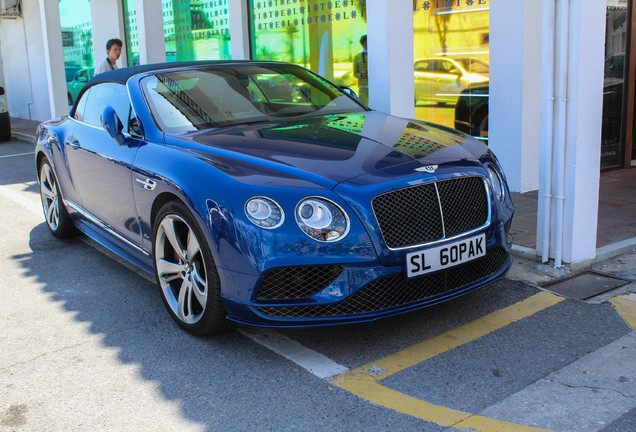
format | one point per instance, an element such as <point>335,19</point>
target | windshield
<point>474,66</point>
<point>191,100</point>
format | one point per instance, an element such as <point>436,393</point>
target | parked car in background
<point>76,79</point>
<point>471,111</point>
<point>254,193</point>
<point>5,118</point>
<point>441,79</point>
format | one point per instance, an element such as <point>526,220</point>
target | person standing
<point>113,51</point>
<point>361,71</point>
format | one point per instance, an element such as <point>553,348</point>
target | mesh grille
<point>411,216</point>
<point>297,282</point>
<point>393,291</point>
<point>465,204</point>
<point>399,212</point>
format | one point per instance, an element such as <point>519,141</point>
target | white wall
<point>17,75</point>
<point>390,45</point>
<point>33,62</point>
<point>515,84</point>
<point>583,138</point>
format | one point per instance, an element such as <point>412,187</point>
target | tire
<point>55,214</point>
<point>186,272</point>
<point>70,99</point>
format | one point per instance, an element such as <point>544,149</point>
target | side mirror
<point>1,91</point>
<point>113,125</point>
<point>349,92</point>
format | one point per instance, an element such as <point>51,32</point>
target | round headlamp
<point>322,220</point>
<point>264,212</point>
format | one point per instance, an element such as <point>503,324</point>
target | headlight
<point>3,107</point>
<point>322,219</point>
<point>264,212</point>
<point>496,182</point>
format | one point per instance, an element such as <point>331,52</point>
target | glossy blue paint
<point>347,158</point>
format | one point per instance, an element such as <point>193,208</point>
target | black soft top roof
<point>123,74</point>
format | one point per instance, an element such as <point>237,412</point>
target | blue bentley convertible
<point>261,193</point>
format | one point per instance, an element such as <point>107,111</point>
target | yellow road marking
<point>363,381</point>
<point>626,307</point>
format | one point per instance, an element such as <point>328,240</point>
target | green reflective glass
<point>321,35</point>
<point>77,45</point>
<point>132,35</point>
<point>196,30</point>
<point>451,51</point>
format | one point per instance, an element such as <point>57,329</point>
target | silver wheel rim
<point>181,269</point>
<point>50,197</point>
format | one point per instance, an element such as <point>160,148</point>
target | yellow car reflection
<point>441,80</point>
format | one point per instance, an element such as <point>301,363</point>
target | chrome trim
<point>441,210</point>
<point>102,225</point>
<point>147,184</point>
<point>488,220</point>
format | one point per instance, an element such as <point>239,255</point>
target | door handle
<point>147,184</point>
<point>73,142</point>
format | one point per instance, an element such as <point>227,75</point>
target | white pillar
<point>33,61</point>
<point>108,23</point>
<point>583,130</point>
<point>152,45</point>
<point>239,30</point>
<point>390,45</point>
<point>515,84</point>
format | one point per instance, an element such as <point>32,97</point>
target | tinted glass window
<point>81,106</point>
<point>103,95</point>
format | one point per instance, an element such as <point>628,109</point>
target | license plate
<point>442,257</point>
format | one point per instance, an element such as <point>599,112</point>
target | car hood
<point>333,148</point>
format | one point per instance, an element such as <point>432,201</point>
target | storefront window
<point>615,42</point>
<point>77,44</point>
<point>196,30</point>
<point>132,35</point>
<point>451,47</point>
<point>321,35</point>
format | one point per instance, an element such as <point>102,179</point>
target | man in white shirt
<point>113,51</point>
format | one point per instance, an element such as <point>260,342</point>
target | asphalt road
<point>88,345</point>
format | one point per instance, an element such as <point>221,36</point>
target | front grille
<point>432,211</point>
<point>396,290</point>
<point>297,282</point>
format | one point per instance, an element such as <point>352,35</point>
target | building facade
<point>541,81</point>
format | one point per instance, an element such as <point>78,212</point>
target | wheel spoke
<point>47,192</point>
<point>169,271</point>
<point>185,301</point>
<point>171,234</point>
<point>193,246</point>
<point>51,216</point>
<point>200,287</point>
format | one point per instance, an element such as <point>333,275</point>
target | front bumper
<point>369,291</point>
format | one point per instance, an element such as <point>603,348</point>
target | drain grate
<point>585,285</point>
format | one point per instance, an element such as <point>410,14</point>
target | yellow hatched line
<point>363,380</point>
<point>626,307</point>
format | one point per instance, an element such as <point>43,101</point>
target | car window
<point>445,67</point>
<point>102,95</point>
<point>81,106</point>
<point>423,66</point>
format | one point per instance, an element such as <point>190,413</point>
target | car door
<point>424,78</point>
<point>448,83</point>
<point>101,168</point>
